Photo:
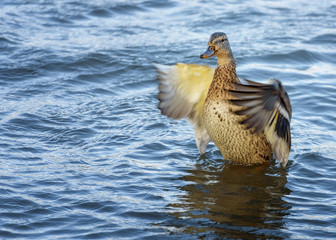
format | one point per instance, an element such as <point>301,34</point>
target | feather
<point>182,91</point>
<point>267,109</point>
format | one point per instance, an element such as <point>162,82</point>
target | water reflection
<point>232,201</point>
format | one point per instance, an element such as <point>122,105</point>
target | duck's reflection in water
<point>232,201</point>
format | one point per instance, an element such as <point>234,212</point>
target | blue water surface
<point>86,154</point>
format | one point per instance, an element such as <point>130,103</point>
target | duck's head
<point>219,46</point>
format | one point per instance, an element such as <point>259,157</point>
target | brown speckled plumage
<point>235,142</point>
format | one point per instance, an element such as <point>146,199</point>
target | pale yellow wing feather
<point>183,89</point>
<point>182,92</point>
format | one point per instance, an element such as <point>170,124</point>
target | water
<point>85,153</point>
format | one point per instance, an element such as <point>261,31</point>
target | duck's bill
<point>208,53</point>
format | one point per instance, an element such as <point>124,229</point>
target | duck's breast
<point>235,142</point>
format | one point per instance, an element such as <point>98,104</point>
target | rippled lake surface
<point>85,153</point>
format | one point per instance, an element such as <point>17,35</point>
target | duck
<point>248,121</point>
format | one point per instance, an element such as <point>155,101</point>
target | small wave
<point>299,56</point>
<point>5,41</point>
<point>323,39</point>
<point>126,9</point>
<point>100,13</point>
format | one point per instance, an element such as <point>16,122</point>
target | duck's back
<point>223,125</point>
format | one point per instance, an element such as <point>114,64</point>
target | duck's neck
<point>226,60</point>
<point>225,73</point>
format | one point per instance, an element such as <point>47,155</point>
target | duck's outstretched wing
<point>182,92</point>
<point>268,109</point>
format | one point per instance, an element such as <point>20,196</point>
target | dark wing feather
<point>268,110</point>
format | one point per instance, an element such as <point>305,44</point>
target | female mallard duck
<point>247,122</point>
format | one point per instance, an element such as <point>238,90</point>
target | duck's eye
<point>222,39</point>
